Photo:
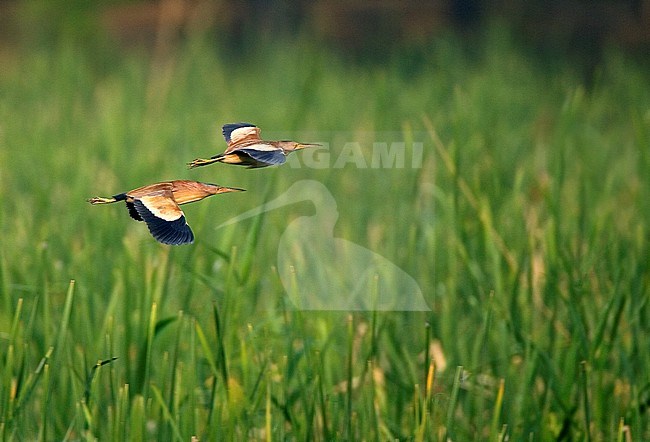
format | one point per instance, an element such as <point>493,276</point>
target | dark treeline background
<point>364,30</point>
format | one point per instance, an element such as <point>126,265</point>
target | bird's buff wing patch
<point>165,220</point>
<point>240,133</point>
<point>162,206</point>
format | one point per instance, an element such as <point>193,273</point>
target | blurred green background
<point>525,225</point>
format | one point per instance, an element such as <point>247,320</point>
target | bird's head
<point>217,189</point>
<point>290,146</point>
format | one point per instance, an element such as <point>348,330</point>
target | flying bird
<point>246,148</point>
<point>158,206</point>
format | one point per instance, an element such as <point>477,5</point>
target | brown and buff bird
<point>158,206</point>
<point>246,148</point>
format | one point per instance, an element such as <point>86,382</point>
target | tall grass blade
<point>172,405</point>
<point>144,355</point>
<point>221,348</point>
<point>167,413</point>
<point>453,401</point>
<point>585,399</point>
<point>26,391</point>
<point>207,350</point>
<point>137,419</point>
<point>495,433</point>
<point>321,398</point>
<point>268,415</point>
<point>349,379</point>
<point>91,376</point>
<point>13,331</point>
<point>45,411</point>
<point>65,319</point>
<point>4,282</point>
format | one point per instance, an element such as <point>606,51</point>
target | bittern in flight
<point>246,148</point>
<point>157,205</point>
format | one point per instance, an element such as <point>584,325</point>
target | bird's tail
<point>203,162</point>
<point>102,200</point>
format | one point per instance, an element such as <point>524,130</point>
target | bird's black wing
<point>174,232</point>
<point>132,212</point>
<point>268,157</point>
<point>235,133</point>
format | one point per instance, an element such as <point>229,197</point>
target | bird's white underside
<point>261,147</point>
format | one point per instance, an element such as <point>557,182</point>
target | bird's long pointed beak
<point>306,145</point>
<point>230,189</point>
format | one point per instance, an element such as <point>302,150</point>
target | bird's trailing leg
<point>101,200</point>
<point>202,162</point>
